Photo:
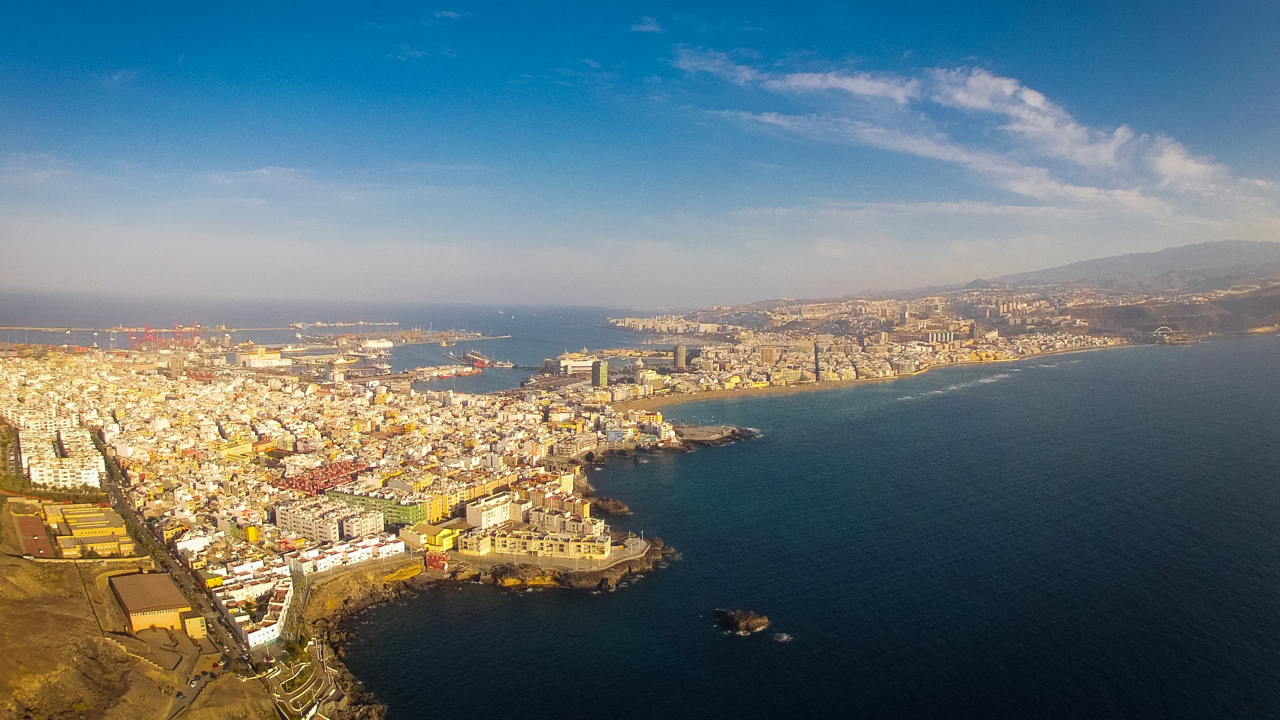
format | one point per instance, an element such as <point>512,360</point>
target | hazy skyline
<point>652,154</point>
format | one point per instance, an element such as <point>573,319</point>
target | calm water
<point>1086,536</point>
<point>535,332</point>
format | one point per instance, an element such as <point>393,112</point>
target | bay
<point>1084,535</point>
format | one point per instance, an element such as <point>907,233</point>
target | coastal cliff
<point>343,596</point>
<point>330,604</point>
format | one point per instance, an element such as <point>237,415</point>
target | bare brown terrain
<point>231,698</point>
<point>65,652</point>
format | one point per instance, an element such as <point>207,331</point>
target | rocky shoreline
<point>731,435</point>
<point>327,619</point>
<point>328,613</point>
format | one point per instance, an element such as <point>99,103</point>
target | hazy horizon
<point>647,156</point>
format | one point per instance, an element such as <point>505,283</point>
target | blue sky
<point>639,153</point>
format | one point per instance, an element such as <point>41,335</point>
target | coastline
<point>334,603</point>
<point>327,615</point>
<point>655,402</point>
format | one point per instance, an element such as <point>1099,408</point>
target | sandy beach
<point>658,401</point>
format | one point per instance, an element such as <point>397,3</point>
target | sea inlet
<point>1079,536</point>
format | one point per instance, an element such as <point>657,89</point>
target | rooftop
<point>148,592</point>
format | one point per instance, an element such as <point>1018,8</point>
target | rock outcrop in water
<point>610,506</point>
<point>712,436</point>
<point>743,621</point>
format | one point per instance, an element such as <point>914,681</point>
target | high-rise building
<point>768,355</point>
<point>600,373</point>
<point>681,357</point>
<point>817,366</point>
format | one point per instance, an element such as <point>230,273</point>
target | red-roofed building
<point>32,535</point>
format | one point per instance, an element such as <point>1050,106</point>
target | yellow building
<point>83,529</point>
<point>151,600</point>
<point>432,538</point>
<point>533,543</point>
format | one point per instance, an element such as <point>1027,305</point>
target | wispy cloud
<point>407,52</point>
<point>34,169</point>
<point>1029,181</point>
<point>696,60</point>
<point>1178,170</point>
<point>1031,115</point>
<point>1036,149</point>
<point>865,84</point>
<point>715,27</point>
<point>117,78</point>
<point>647,24</point>
<point>900,90</point>
<point>268,174</point>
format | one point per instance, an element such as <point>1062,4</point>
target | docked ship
<point>480,361</point>
<point>477,360</point>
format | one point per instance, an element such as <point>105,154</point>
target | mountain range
<point>1192,268</point>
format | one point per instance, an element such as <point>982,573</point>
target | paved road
<point>187,582</point>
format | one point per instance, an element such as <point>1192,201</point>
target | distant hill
<point>1202,266</point>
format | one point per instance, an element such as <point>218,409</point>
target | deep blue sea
<point>1093,535</point>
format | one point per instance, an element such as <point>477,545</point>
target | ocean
<point>1091,535</point>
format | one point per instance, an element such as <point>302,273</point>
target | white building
<point>498,509</point>
<point>324,520</point>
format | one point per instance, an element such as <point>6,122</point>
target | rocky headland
<point>712,436</point>
<point>610,506</point>
<point>340,598</point>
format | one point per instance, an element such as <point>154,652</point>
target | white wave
<point>782,637</point>
<point>994,378</point>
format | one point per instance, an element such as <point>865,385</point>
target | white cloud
<point>716,63</point>
<point>1029,181</point>
<point>405,52</point>
<point>1178,170</point>
<point>898,89</point>
<point>269,174</point>
<point>958,208</point>
<point>1031,115</point>
<point>33,169</point>
<point>1035,148</point>
<point>647,24</point>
